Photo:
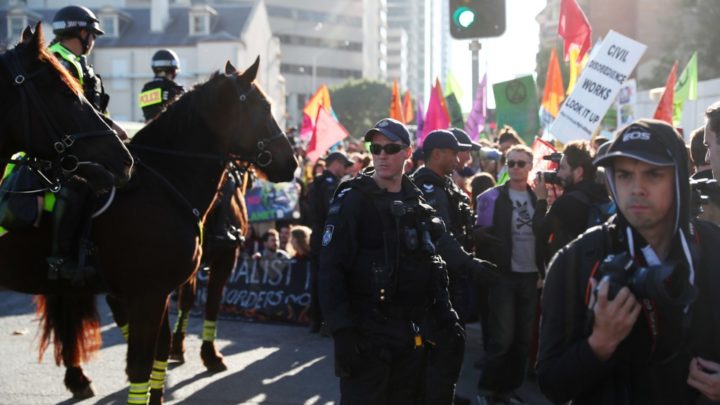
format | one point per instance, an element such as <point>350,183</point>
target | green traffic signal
<point>464,17</point>
<point>476,18</point>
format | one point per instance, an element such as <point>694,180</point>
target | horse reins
<point>66,163</point>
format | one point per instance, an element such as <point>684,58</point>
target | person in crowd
<point>490,161</point>
<point>505,217</point>
<point>318,168</point>
<point>162,89</point>
<point>441,149</point>
<point>611,337</point>
<point>464,170</point>
<point>597,142</point>
<point>284,236</point>
<point>321,193</point>
<point>712,132</point>
<point>380,277</point>
<point>698,155</point>
<point>507,138</point>
<point>271,249</point>
<point>300,242</point>
<point>578,207</point>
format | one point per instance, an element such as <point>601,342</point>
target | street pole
<point>475,47</point>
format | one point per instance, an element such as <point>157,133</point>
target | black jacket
<point>169,91</point>
<point>319,196</point>
<point>494,243</point>
<point>567,367</point>
<point>568,216</point>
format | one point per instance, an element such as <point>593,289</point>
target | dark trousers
<point>395,377</point>
<point>316,317</point>
<point>513,304</point>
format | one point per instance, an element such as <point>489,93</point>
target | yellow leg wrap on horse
<point>125,330</point>
<point>139,393</point>
<point>181,323</point>
<point>209,330</point>
<point>157,377</point>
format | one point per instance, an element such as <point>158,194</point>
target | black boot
<point>71,217</point>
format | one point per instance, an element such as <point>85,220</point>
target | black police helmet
<point>165,59</point>
<point>72,19</point>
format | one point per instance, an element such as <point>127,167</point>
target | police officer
<point>441,150</point>
<point>320,194</point>
<point>162,89</point>
<point>380,277</point>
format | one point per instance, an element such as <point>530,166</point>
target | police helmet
<point>165,59</point>
<point>71,19</point>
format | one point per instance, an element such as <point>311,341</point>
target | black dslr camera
<point>703,191</point>
<point>666,283</point>
<point>551,176</point>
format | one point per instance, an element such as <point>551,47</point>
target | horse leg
<point>159,370</point>
<point>186,299</point>
<point>145,314</point>
<point>119,313</point>
<point>221,268</point>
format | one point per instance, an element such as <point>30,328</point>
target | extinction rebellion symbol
<point>516,92</point>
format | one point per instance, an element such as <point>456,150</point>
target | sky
<point>504,58</point>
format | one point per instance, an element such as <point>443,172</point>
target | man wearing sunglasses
<point>380,277</point>
<point>505,217</point>
<point>441,149</point>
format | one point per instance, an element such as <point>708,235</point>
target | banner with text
<point>269,290</point>
<point>597,88</point>
<point>268,201</point>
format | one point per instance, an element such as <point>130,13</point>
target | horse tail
<point>71,323</point>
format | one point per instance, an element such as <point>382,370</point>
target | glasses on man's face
<point>389,148</point>
<point>519,163</point>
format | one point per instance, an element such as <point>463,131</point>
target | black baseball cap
<point>338,156</point>
<point>642,140</point>
<point>464,140</point>
<point>440,139</point>
<point>394,130</point>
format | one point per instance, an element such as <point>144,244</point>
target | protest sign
<point>272,201</point>
<point>268,289</point>
<point>597,88</point>
<point>626,103</point>
<point>516,104</point>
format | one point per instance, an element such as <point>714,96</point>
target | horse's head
<point>43,112</point>
<point>244,119</point>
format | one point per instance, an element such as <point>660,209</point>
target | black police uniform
<point>379,280</point>
<point>91,82</point>
<point>158,93</point>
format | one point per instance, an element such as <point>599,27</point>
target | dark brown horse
<point>220,256</point>
<point>149,241</point>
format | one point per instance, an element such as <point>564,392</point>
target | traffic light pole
<point>475,47</point>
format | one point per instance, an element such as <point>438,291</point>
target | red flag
<point>437,116</point>
<point>327,133</point>
<point>574,28</point>
<point>541,148</point>
<point>408,108</point>
<point>321,98</point>
<point>396,109</point>
<point>664,110</point>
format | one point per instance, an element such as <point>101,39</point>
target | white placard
<point>597,88</point>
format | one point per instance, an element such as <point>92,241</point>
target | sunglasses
<point>519,163</point>
<point>389,148</point>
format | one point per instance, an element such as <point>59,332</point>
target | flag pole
<point>475,47</point>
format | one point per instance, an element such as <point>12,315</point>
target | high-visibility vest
<point>69,57</point>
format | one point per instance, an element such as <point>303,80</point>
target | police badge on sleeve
<point>327,235</point>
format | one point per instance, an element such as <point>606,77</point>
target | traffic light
<point>477,18</point>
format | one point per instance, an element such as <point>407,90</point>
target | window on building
<point>109,24</point>
<point>199,24</point>
<point>15,25</point>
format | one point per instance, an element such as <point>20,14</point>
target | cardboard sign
<point>597,88</point>
<point>272,201</point>
<point>516,104</point>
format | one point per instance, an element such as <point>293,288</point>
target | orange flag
<point>396,109</point>
<point>553,94</point>
<point>327,133</point>
<point>408,107</point>
<point>321,98</point>
<point>664,110</point>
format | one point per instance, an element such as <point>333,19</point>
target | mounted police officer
<point>441,150</point>
<point>75,29</point>
<point>162,89</point>
<point>380,277</point>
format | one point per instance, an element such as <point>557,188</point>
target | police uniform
<point>78,67</point>
<point>157,94</point>
<point>379,280</point>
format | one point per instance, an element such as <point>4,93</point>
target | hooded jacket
<point>645,368</point>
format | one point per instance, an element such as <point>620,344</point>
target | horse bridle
<point>66,162</point>
<point>263,157</point>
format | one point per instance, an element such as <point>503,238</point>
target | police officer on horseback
<point>162,89</point>
<point>380,276</point>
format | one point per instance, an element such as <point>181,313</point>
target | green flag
<point>517,105</point>
<point>452,87</point>
<point>453,94</point>
<point>686,88</point>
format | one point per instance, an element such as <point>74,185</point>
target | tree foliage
<point>359,104</point>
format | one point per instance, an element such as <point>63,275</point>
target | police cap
<point>394,130</point>
<point>165,59</point>
<point>440,139</point>
<point>464,140</point>
<point>72,19</point>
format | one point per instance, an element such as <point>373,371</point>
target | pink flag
<point>541,148</point>
<point>436,116</point>
<point>420,116</point>
<point>327,133</point>
<point>476,120</point>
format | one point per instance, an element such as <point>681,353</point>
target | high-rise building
<point>410,16</point>
<point>398,57</point>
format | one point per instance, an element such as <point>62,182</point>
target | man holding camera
<point>380,277</point>
<point>577,208</point>
<point>631,312</point>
